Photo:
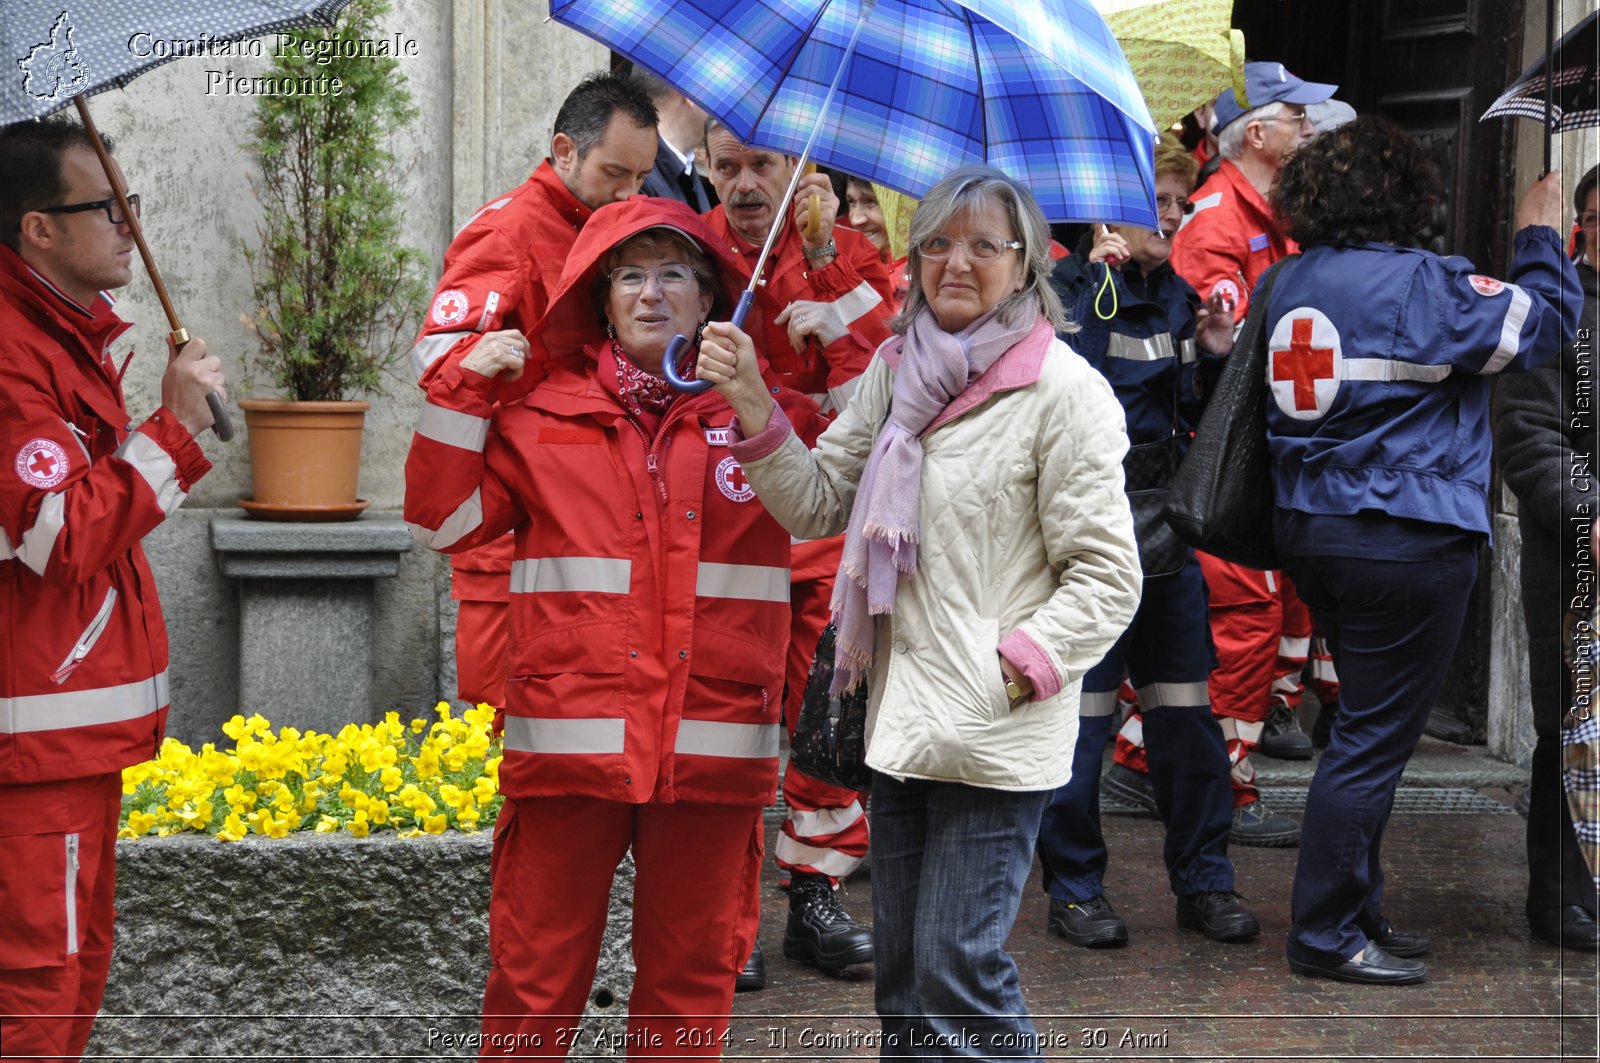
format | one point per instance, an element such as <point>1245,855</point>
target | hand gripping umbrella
<point>65,50</point>
<point>1562,89</point>
<point>900,92</point>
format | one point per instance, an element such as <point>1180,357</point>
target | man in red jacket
<point>834,300</point>
<point>83,666</point>
<point>1261,630</point>
<point>498,274</point>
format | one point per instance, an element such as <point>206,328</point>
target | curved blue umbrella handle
<point>669,361</point>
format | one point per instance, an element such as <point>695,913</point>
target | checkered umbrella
<point>61,51</point>
<point>903,91</point>
<point>1561,90</point>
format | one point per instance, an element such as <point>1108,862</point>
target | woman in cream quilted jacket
<point>989,561</point>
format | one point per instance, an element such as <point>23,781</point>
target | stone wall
<point>487,77</point>
<point>317,947</point>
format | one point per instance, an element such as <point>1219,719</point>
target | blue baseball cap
<point>1267,83</point>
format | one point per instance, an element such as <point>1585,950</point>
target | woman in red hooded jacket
<point>649,618</point>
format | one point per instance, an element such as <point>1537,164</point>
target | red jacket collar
<point>559,196</point>
<point>93,327</point>
<point>1236,180</point>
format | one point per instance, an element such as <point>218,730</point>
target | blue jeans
<point>949,862</point>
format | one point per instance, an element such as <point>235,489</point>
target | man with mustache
<point>835,298</point>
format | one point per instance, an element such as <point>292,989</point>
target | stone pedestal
<point>306,614</point>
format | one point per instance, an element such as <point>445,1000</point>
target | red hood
<point>570,322</point>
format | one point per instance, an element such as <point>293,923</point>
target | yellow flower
<point>391,779</point>
<point>233,829</point>
<point>436,824</point>
<point>140,823</point>
<point>327,825</point>
<point>358,826</point>
<point>379,811</point>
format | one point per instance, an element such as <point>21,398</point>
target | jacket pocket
<point>91,635</point>
<point>571,666</point>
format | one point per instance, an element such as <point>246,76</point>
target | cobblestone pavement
<point>1493,992</point>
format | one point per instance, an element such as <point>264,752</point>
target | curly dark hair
<point>1367,180</point>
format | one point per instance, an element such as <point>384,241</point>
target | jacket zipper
<point>72,894</point>
<point>86,641</point>
<point>650,459</point>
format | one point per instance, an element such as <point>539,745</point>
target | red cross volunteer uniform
<point>83,663</point>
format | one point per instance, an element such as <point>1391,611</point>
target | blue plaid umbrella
<point>1039,89</point>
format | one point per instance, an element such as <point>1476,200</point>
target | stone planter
<point>316,947</point>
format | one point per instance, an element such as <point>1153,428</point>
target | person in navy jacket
<point>1381,358</point>
<point>1136,322</point>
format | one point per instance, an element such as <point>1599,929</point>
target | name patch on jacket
<point>731,482</point>
<point>1259,242</point>
<point>42,463</point>
<point>719,437</point>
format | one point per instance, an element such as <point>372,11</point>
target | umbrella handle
<point>669,361</point>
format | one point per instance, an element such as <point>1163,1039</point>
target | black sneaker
<point>754,975</point>
<point>1091,923</point>
<point>1218,915</point>
<point>1282,737</point>
<point>820,932</point>
<point>1254,825</point>
<point>1129,788</point>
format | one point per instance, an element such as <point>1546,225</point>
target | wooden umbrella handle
<point>222,423</point>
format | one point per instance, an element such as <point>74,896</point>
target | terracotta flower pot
<point>305,458</point>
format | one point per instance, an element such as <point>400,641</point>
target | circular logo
<point>1486,285</point>
<point>1305,363</point>
<point>449,308</point>
<point>1229,292</point>
<point>41,463</point>
<point>731,482</point>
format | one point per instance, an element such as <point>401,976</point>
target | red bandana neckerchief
<point>641,392</point>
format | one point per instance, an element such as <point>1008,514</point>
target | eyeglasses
<point>1165,203</point>
<point>112,208</point>
<point>1589,219</point>
<point>977,248</point>
<point>674,276</point>
<point>1294,118</point>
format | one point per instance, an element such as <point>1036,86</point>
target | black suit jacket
<point>669,181</point>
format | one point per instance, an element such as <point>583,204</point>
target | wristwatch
<point>1013,691</point>
<point>827,250</point>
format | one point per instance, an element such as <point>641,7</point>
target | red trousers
<point>695,914</point>
<point>481,644</point>
<point>58,882</point>
<point>826,830</point>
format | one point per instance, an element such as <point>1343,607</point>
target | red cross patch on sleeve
<point>1486,285</point>
<point>41,463</point>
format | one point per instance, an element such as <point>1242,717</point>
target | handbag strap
<point>1255,320</point>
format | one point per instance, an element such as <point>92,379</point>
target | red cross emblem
<point>41,463</point>
<point>1304,366</point>
<point>450,308</point>
<point>731,481</point>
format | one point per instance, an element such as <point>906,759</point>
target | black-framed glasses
<point>978,248</point>
<point>1165,202</point>
<point>112,208</point>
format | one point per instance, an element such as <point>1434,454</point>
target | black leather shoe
<point>1375,967</point>
<point>754,975</point>
<point>820,932</point>
<point>1093,923</point>
<point>1218,915</point>
<point>1572,927</point>
<point>1128,787</point>
<point>1403,943</point>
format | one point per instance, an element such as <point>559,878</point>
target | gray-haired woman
<point>989,561</point>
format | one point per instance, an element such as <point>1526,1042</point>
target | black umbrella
<point>61,55</point>
<point>1562,90</point>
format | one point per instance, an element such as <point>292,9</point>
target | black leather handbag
<point>830,737</point>
<point>1221,498</point>
<point>1147,471</point>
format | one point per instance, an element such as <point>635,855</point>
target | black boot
<point>754,975</point>
<point>820,932</point>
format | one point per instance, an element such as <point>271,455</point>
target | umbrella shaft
<point>811,141</point>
